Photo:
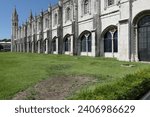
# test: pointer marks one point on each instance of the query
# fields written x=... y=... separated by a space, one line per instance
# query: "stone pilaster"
x=27 y=47
x=136 y=45
x=24 y=50
x=71 y=45
x=93 y=44
x=46 y=52
x=39 y=48
x=33 y=47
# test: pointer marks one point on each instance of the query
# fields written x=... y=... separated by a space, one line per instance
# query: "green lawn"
x=18 y=71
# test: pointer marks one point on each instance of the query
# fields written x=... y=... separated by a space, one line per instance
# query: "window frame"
x=67 y=44
x=55 y=19
x=83 y=44
x=54 y=45
x=107 y=5
x=86 y=43
x=68 y=14
x=46 y=23
x=39 y=26
x=110 y=3
x=111 y=42
x=88 y=8
x=107 y=42
x=115 y=37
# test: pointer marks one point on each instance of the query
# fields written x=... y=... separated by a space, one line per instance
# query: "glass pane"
x=108 y=42
x=116 y=41
x=83 y=44
x=54 y=45
x=66 y=45
x=144 y=38
x=89 y=44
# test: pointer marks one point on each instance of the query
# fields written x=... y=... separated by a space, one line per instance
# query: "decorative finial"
x=31 y=16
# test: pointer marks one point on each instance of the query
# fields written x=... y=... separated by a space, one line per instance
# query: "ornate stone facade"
x=109 y=28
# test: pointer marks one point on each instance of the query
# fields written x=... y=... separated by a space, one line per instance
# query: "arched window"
x=86 y=43
x=39 y=26
x=108 y=42
x=46 y=23
x=116 y=41
x=86 y=6
x=30 y=46
x=67 y=45
x=83 y=44
x=111 y=40
x=145 y=21
x=41 y=46
x=36 y=46
x=44 y=45
x=55 y=19
x=54 y=45
x=89 y=44
x=144 y=38
x=110 y=2
x=68 y=14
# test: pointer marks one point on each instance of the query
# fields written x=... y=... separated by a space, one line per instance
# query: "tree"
x=5 y=40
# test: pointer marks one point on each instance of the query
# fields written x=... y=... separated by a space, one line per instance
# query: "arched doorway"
x=144 y=38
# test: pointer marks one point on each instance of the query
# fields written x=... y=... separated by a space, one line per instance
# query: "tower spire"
x=31 y=16
x=15 y=21
x=15 y=15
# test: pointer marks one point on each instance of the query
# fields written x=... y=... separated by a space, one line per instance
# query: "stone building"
x=5 y=46
x=109 y=28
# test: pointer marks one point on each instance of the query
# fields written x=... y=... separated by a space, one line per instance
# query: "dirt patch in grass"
x=57 y=88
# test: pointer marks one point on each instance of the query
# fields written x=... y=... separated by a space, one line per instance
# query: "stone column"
x=86 y=36
x=112 y=45
x=20 y=47
x=112 y=35
x=136 y=44
x=71 y=45
x=39 y=48
x=33 y=47
x=46 y=46
x=56 y=45
x=24 y=47
x=27 y=47
x=93 y=45
x=17 y=47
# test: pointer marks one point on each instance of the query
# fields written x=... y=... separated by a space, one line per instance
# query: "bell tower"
x=14 y=29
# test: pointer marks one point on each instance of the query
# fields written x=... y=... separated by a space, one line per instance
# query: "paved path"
x=147 y=96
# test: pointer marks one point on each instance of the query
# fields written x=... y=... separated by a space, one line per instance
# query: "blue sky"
x=23 y=8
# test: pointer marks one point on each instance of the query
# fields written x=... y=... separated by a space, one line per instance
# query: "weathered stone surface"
x=74 y=17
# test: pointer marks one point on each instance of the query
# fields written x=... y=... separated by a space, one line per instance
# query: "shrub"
x=129 y=87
